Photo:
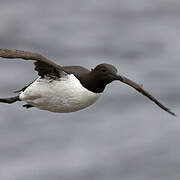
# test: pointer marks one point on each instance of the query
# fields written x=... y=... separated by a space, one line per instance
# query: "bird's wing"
x=145 y=93
x=42 y=65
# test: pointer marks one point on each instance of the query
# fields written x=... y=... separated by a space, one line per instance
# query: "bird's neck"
x=92 y=84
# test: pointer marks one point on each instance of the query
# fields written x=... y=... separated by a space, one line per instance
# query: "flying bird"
x=64 y=89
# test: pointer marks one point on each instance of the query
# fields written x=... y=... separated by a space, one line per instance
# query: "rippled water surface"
x=123 y=136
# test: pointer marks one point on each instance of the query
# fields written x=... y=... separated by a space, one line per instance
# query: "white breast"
x=63 y=95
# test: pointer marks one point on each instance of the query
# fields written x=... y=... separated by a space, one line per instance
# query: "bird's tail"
x=9 y=100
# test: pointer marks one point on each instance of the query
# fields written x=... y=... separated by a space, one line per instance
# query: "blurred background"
x=124 y=135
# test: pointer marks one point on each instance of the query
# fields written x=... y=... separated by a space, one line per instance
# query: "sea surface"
x=123 y=136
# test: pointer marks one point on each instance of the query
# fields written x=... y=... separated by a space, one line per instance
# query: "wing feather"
x=145 y=93
x=42 y=65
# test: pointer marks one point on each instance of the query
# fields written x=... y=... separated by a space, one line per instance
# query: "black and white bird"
x=66 y=89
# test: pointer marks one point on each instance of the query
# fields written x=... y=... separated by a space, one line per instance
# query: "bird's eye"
x=103 y=70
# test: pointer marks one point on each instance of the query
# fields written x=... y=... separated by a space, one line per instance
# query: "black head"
x=102 y=75
x=105 y=73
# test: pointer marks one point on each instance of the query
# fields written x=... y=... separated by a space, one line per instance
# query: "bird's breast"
x=63 y=95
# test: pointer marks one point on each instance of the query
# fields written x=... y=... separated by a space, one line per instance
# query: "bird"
x=64 y=89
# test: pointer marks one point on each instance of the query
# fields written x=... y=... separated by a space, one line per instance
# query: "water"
x=123 y=136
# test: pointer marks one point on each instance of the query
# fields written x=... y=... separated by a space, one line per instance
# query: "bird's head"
x=105 y=74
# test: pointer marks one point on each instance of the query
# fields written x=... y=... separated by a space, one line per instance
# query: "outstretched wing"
x=145 y=93
x=42 y=65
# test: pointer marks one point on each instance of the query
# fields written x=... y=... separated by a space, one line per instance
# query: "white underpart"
x=63 y=95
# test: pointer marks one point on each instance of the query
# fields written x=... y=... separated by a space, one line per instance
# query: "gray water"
x=123 y=136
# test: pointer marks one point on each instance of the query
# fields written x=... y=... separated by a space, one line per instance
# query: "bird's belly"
x=63 y=95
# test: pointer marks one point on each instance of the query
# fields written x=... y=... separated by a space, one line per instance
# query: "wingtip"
x=175 y=115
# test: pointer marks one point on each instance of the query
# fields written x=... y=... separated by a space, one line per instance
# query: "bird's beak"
x=140 y=89
x=118 y=77
x=128 y=82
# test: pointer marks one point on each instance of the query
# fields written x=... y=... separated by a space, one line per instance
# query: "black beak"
x=142 y=91
x=118 y=77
